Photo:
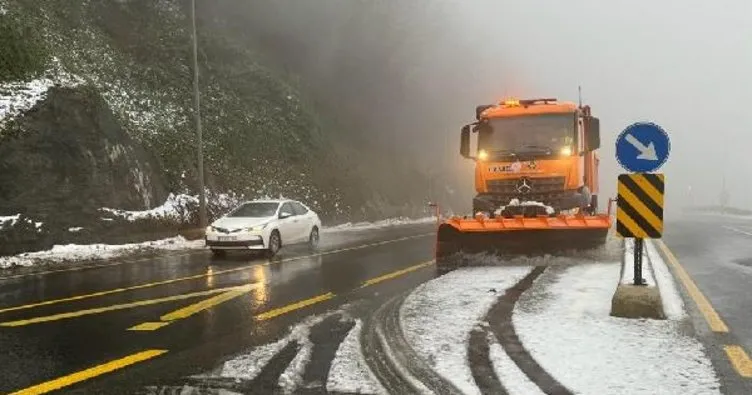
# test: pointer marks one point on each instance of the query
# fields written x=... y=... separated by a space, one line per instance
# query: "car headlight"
x=256 y=228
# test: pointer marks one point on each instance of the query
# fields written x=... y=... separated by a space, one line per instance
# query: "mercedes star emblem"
x=524 y=185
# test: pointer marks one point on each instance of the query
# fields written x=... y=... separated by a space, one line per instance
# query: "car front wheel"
x=313 y=239
x=275 y=242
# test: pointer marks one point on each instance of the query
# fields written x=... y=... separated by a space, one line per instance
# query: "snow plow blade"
x=457 y=237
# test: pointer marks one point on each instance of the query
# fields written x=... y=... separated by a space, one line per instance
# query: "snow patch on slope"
x=564 y=322
x=349 y=372
x=77 y=252
x=439 y=315
x=173 y=208
x=20 y=96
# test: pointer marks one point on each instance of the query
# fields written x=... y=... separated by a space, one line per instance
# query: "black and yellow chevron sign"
x=639 y=208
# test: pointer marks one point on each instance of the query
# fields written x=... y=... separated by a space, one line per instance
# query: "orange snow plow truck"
x=536 y=177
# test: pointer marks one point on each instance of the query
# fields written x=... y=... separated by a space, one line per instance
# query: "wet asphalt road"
x=186 y=329
x=717 y=253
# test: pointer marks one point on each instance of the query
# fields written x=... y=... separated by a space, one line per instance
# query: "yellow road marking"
x=103 y=293
x=188 y=311
x=148 y=326
x=92 y=372
x=205 y=304
x=99 y=310
x=321 y=298
x=187 y=278
x=80 y=268
x=711 y=316
x=739 y=360
x=294 y=306
x=398 y=273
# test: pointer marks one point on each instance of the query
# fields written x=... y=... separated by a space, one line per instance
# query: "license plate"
x=227 y=238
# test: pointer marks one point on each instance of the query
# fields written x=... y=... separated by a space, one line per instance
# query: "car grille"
x=538 y=186
x=228 y=231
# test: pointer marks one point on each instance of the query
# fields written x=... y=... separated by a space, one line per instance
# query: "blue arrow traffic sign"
x=642 y=147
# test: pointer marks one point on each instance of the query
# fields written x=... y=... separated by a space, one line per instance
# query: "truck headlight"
x=482 y=154
x=566 y=151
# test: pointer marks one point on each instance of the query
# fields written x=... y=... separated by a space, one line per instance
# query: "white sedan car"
x=264 y=225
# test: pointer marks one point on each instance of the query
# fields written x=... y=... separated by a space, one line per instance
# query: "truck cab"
x=540 y=151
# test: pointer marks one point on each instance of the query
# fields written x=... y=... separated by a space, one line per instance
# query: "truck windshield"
x=530 y=134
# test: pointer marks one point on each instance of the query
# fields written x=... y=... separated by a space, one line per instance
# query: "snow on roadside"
x=379 y=224
x=349 y=372
x=673 y=305
x=627 y=276
x=515 y=381
x=438 y=316
x=247 y=366
x=564 y=322
x=76 y=252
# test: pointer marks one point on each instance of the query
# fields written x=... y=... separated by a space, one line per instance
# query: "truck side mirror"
x=465 y=141
x=592 y=133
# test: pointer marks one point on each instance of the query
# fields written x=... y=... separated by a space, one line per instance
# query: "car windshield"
x=255 y=210
x=527 y=134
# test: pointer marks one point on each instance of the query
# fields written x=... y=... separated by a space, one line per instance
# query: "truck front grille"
x=537 y=185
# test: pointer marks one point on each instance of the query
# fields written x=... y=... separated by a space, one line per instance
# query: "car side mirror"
x=592 y=134
x=284 y=215
x=465 y=141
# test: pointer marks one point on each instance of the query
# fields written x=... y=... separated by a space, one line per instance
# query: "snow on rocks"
x=349 y=372
x=20 y=96
x=563 y=321
x=173 y=208
x=76 y=252
x=9 y=221
x=439 y=315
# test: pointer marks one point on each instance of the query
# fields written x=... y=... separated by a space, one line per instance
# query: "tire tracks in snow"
x=391 y=358
x=499 y=318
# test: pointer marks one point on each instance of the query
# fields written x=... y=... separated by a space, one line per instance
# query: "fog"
x=406 y=75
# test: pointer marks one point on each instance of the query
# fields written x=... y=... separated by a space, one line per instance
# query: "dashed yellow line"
x=188 y=311
x=739 y=360
x=395 y=274
x=99 y=310
x=711 y=316
x=294 y=306
x=65 y=381
x=186 y=278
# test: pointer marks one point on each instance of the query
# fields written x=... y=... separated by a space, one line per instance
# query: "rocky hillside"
x=96 y=112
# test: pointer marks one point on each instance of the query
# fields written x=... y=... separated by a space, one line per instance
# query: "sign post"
x=642 y=148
